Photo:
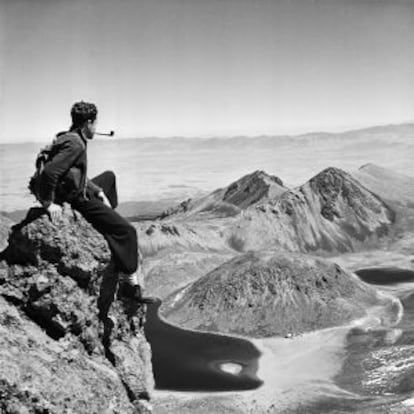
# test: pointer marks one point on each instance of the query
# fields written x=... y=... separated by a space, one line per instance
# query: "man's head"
x=84 y=118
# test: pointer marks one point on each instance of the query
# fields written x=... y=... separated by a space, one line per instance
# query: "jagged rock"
x=336 y=189
x=50 y=277
x=271 y=293
x=40 y=375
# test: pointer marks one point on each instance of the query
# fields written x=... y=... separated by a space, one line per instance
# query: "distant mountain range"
x=388 y=133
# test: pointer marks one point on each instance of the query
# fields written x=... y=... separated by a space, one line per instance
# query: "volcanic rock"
x=58 y=357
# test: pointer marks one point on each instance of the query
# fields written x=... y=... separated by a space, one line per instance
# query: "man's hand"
x=55 y=212
x=104 y=199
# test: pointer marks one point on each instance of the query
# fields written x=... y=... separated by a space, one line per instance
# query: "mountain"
x=395 y=188
x=231 y=200
x=331 y=212
x=270 y=293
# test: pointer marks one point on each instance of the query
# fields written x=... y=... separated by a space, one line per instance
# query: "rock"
x=5 y=224
x=39 y=375
x=50 y=277
x=270 y=293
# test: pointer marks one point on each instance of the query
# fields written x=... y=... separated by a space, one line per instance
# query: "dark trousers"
x=119 y=233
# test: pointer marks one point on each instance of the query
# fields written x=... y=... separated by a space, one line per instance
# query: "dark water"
x=377 y=373
x=385 y=275
x=189 y=361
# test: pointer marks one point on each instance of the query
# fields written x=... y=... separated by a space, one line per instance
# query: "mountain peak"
x=252 y=188
x=333 y=184
x=229 y=201
x=270 y=293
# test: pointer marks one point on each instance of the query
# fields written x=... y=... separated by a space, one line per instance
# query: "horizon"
x=205 y=68
x=228 y=137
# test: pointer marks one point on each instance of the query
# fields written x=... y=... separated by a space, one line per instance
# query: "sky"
x=205 y=67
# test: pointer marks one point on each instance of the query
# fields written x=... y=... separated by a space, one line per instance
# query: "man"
x=64 y=178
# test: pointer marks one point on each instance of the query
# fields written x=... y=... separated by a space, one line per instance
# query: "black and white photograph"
x=206 y=206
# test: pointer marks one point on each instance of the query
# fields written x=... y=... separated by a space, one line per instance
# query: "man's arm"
x=66 y=156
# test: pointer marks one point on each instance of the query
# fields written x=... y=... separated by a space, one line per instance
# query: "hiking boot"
x=134 y=292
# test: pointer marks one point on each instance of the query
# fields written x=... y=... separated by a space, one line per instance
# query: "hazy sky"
x=205 y=67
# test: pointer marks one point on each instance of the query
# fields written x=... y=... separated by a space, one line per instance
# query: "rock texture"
x=331 y=212
x=57 y=357
x=268 y=293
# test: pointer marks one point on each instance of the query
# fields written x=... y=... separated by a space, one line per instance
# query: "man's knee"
x=109 y=175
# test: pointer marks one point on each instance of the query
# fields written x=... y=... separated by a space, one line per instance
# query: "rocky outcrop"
x=331 y=212
x=269 y=293
x=59 y=356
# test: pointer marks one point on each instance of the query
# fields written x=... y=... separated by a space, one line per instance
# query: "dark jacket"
x=64 y=176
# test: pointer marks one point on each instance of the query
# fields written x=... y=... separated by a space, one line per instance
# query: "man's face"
x=90 y=128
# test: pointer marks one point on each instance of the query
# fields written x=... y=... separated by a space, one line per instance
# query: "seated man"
x=64 y=179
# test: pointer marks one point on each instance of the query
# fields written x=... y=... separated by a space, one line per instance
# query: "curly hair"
x=82 y=112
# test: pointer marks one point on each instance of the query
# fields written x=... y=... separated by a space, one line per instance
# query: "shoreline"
x=295 y=371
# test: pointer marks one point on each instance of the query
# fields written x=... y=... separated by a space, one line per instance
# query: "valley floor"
x=300 y=373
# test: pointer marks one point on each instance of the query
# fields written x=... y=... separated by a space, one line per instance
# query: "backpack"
x=41 y=159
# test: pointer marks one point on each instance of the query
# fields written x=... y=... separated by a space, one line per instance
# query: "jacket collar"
x=78 y=132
